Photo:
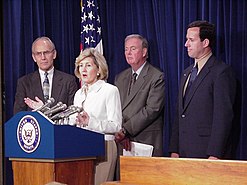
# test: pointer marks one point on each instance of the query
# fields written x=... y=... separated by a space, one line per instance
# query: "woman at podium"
x=101 y=107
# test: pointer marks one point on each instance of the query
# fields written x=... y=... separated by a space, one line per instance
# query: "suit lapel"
x=56 y=85
x=36 y=85
x=196 y=84
x=125 y=86
x=137 y=86
x=182 y=85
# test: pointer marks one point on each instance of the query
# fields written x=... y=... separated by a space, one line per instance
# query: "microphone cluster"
x=59 y=112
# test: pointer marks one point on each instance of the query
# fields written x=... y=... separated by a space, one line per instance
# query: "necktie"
x=46 y=87
x=193 y=75
x=132 y=81
x=134 y=77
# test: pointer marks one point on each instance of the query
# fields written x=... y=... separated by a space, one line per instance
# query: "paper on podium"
x=139 y=149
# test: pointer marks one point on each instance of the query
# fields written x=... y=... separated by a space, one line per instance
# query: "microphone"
x=67 y=113
x=59 y=104
x=58 y=109
x=46 y=105
x=61 y=114
x=76 y=109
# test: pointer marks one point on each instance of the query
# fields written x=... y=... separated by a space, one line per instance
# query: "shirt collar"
x=50 y=72
x=94 y=87
x=139 y=70
x=202 y=61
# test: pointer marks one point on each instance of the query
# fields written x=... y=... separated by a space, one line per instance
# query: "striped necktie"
x=46 y=87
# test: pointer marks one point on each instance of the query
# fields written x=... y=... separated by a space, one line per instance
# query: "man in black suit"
x=204 y=117
x=29 y=92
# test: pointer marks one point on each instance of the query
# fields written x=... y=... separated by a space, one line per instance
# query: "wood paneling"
x=171 y=171
x=40 y=173
x=32 y=173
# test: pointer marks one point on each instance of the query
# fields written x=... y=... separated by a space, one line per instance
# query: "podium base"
x=79 y=172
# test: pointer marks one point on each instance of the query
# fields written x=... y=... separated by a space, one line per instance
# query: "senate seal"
x=28 y=134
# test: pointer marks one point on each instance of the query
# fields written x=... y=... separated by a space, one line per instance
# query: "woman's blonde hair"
x=99 y=61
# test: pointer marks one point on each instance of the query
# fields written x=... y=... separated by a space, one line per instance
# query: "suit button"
x=183 y=116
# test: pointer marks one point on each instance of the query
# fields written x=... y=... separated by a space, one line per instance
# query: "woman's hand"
x=82 y=119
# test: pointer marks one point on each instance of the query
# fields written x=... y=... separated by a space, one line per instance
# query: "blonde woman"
x=102 y=107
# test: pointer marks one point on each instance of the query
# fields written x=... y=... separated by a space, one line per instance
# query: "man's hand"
x=33 y=104
x=121 y=138
x=126 y=144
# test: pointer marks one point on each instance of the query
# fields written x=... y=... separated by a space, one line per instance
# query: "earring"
x=97 y=74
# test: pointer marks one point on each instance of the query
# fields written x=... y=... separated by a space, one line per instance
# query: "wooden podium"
x=42 y=152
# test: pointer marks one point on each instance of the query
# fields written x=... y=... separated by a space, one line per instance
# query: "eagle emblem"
x=28 y=134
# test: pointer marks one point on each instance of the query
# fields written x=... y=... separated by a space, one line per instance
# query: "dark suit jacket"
x=143 y=109
x=203 y=124
x=64 y=87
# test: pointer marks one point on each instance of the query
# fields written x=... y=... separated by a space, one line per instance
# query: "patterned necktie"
x=46 y=87
x=132 y=82
x=193 y=75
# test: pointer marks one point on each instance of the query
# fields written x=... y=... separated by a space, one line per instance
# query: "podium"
x=42 y=152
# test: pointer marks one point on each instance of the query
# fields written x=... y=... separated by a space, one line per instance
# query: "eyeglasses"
x=45 y=53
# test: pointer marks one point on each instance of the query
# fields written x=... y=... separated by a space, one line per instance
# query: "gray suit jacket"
x=64 y=87
x=143 y=109
x=203 y=123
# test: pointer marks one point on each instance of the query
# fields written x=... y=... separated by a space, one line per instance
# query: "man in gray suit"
x=142 y=97
x=29 y=92
x=204 y=118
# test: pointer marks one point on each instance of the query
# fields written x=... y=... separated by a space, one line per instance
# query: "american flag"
x=90 y=25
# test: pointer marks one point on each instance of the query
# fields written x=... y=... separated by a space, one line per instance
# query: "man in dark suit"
x=30 y=93
x=142 y=98
x=204 y=117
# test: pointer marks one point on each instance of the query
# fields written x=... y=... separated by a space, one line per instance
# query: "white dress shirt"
x=103 y=106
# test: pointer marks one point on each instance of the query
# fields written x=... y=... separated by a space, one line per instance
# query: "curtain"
x=24 y=21
x=162 y=22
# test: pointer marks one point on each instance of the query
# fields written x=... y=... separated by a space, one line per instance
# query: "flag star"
x=89 y=3
x=85 y=28
x=98 y=18
x=91 y=27
x=87 y=40
x=99 y=30
x=92 y=40
x=90 y=15
x=84 y=17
